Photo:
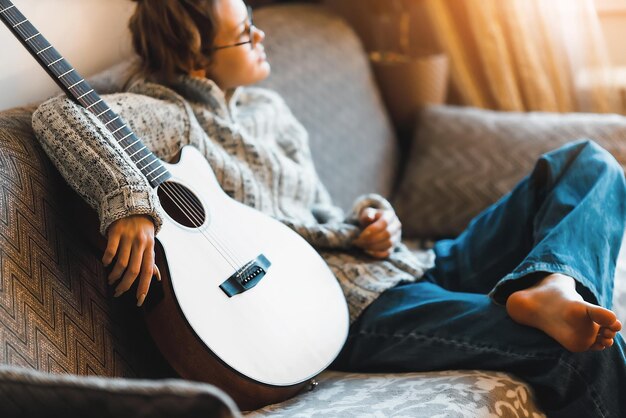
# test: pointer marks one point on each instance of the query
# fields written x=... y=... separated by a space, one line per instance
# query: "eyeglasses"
x=250 y=40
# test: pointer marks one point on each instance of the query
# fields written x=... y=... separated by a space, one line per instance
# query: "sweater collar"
x=205 y=91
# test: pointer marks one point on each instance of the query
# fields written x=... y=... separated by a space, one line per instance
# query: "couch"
x=67 y=348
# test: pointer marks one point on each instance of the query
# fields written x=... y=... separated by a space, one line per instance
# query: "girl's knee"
x=586 y=156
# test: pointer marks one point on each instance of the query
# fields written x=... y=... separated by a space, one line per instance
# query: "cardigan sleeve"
x=95 y=165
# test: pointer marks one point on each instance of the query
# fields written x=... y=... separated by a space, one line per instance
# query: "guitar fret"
x=45 y=49
x=154 y=160
x=131 y=145
x=140 y=149
x=17 y=24
x=112 y=120
x=83 y=95
x=75 y=84
x=103 y=112
x=143 y=158
x=160 y=166
x=157 y=177
x=125 y=137
x=66 y=73
x=121 y=127
x=93 y=104
x=31 y=37
x=52 y=63
x=10 y=7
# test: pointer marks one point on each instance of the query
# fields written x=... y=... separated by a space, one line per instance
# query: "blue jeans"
x=567 y=217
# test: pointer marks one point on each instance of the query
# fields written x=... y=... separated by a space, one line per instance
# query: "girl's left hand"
x=382 y=231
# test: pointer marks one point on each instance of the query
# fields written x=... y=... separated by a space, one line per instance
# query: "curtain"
x=524 y=55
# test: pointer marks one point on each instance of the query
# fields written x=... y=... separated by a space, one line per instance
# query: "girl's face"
x=235 y=65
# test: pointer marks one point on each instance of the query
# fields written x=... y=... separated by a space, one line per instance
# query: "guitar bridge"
x=246 y=277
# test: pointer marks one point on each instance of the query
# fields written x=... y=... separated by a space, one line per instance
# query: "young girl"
x=521 y=290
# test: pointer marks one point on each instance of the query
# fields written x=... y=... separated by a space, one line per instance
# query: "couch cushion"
x=320 y=68
x=442 y=394
x=464 y=159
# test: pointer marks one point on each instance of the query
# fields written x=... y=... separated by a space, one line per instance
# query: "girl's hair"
x=172 y=37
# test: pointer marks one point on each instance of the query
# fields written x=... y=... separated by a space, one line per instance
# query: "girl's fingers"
x=132 y=270
x=369 y=215
x=123 y=255
x=157 y=272
x=111 y=249
x=145 y=277
x=369 y=234
x=383 y=245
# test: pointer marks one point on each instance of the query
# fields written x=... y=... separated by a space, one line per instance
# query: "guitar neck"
x=79 y=90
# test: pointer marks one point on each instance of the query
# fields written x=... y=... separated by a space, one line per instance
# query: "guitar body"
x=261 y=345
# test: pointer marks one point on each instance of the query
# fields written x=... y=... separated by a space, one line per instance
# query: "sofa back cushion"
x=320 y=68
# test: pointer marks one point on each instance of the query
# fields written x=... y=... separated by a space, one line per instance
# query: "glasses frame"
x=251 y=29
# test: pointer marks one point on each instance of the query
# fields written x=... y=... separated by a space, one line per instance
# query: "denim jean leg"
x=566 y=217
x=424 y=327
x=579 y=225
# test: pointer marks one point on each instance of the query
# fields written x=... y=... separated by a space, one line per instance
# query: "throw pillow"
x=464 y=159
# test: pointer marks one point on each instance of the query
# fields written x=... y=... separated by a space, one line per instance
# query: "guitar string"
x=14 y=23
x=197 y=211
x=187 y=196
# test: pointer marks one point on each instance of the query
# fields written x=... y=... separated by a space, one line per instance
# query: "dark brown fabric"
x=56 y=310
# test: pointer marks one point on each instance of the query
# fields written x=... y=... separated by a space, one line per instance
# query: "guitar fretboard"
x=79 y=90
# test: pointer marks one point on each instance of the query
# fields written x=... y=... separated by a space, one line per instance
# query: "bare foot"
x=554 y=306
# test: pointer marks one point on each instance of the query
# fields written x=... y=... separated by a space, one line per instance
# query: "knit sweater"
x=258 y=151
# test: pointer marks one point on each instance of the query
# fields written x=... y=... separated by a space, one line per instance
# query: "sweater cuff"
x=128 y=201
x=371 y=200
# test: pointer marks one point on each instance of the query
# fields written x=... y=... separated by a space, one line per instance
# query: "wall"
x=73 y=27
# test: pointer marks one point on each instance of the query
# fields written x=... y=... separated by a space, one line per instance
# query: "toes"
x=601 y=316
x=603 y=341
x=616 y=326
x=607 y=333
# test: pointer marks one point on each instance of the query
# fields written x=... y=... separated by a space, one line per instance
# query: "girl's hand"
x=382 y=231
x=131 y=241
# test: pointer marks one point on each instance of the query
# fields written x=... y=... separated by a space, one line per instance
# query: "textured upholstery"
x=332 y=92
x=462 y=394
x=464 y=159
x=56 y=312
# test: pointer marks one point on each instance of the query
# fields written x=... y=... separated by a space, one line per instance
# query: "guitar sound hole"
x=181 y=204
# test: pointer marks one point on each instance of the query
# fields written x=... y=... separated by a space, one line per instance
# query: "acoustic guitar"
x=245 y=303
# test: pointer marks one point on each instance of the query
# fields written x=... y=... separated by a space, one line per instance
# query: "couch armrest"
x=29 y=393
